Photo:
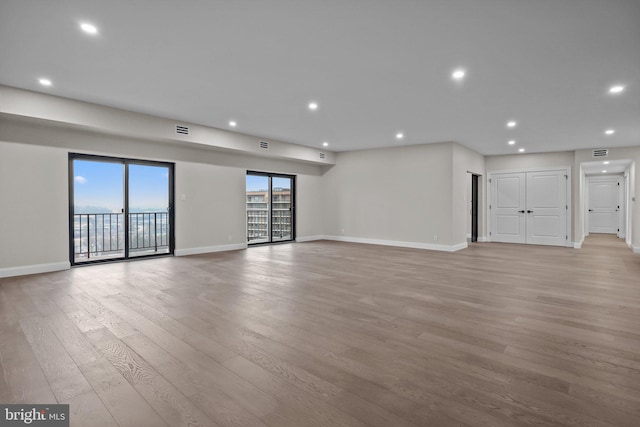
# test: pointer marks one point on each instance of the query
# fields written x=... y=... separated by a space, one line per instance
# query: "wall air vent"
x=322 y=156
x=600 y=152
x=264 y=145
x=182 y=130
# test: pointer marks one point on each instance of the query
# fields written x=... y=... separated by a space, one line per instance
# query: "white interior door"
x=546 y=210
x=603 y=205
x=508 y=200
x=529 y=207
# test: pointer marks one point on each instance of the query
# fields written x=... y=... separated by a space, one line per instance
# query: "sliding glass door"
x=119 y=208
x=98 y=210
x=149 y=231
x=270 y=207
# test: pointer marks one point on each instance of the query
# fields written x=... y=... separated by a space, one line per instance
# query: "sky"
x=261 y=183
x=101 y=184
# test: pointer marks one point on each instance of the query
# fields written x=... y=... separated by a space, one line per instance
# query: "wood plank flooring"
x=333 y=334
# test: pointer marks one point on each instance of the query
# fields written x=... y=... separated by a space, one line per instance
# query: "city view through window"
x=103 y=228
x=269 y=208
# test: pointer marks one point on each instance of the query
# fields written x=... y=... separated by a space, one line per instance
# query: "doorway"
x=270 y=200
x=474 y=208
x=119 y=208
x=604 y=210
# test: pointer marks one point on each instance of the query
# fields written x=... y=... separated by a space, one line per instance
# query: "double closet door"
x=529 y=207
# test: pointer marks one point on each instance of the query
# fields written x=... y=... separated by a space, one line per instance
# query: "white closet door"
x=603 y=205
x=508 y=207
x=546 y=208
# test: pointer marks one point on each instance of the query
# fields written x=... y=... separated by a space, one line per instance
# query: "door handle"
x=529 y=211
x=521 y=211
x=590 y=210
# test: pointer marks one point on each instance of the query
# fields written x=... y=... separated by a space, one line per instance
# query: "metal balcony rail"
x=99 y=235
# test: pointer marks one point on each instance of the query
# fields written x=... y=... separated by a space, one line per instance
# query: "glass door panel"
x=258 y=202
x=98 y=210
x=281 y=210
x=120 y=208
x=148 y=207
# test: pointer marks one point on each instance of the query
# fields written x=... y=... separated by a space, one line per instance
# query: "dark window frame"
x=125 y=161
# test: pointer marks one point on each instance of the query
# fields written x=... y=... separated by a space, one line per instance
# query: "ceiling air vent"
x=182 y=130
x=600 y=152
x=264 y=145
x=322 y=156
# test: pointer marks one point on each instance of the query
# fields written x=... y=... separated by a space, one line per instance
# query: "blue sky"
x=258 y=182
x=101 y=184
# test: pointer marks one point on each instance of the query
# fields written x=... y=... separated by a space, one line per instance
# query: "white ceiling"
x=374 y=67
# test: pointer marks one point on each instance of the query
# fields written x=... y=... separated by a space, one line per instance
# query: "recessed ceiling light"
x=458 y=74
x=399 y=135
x=609 y=131
x=232 y=123
x=313 y=106
x=325 y=144
x=604 y=171
x=512 y=142
x=45 y=82
x=616 y=89
x=511 y=124
x=89 y=28
x=606 y=162
x=521 y=150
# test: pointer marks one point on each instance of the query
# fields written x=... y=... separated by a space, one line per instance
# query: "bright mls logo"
x=34 y=415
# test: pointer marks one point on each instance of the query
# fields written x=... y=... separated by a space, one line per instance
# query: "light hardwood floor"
x=333 y=334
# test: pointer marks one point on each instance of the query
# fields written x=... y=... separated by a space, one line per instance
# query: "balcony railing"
x=101 y=235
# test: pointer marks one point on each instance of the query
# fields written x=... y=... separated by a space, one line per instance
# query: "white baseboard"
x=578 y=245
x=310 y=238
x=413 y=245
x=468 y=236
x=635 y=249
x=482 y=240
x=209 y=249
x=34 y=269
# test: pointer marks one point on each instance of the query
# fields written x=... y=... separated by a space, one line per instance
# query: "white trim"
x=209 y=249
x=578 y=245
x=635 y=249
x=34 y=269
x=468 y=236
x=413 y=245
x=310 y=238
x=483 y=239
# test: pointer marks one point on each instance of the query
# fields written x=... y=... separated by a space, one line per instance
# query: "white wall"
x=529 y=161
x=34 y=192
x=401 y=194
x=34 y=210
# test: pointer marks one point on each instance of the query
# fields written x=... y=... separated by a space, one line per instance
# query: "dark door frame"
x=125 y=162
x=271 y=175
